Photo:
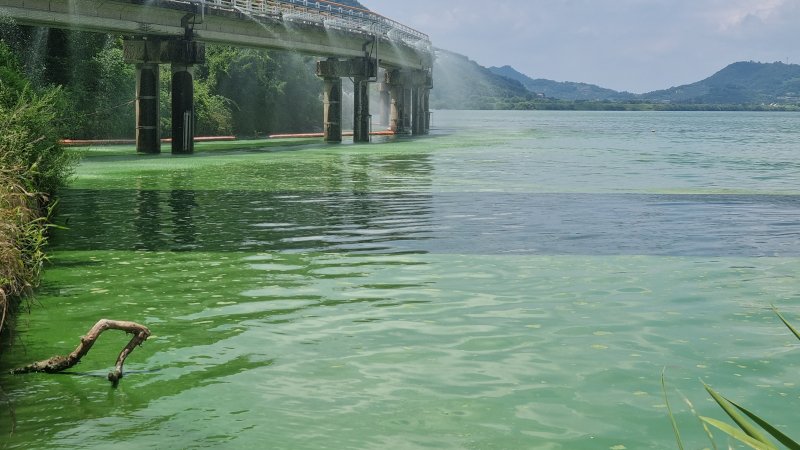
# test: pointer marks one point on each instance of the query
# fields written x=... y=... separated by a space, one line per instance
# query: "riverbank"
x=33 y=166
x=10 y=230
x=21 y=239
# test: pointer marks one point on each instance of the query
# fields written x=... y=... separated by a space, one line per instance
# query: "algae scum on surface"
x=515 y=280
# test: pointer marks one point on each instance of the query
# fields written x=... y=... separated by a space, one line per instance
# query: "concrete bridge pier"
x=183 y=119
x=423 y=83
x=426 y=102
x=148 y=130
x=361 y=116
x=332 y=70
x=147 y=54
x=409 y=109
x=397 y=108
x=332 y=110
x=426 y=108
x=417 y=123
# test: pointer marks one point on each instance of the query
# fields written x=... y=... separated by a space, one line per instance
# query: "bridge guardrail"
x=327 y=13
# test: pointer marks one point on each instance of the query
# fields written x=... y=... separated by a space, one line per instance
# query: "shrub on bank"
x=21 y=240
x=29 y=139
x=32 y=168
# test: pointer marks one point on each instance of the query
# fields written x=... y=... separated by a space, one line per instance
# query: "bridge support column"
x=422 y=113
x=408 y=108
x=148 y=130
x=403 y=116
x=398 y=106
x=332 y=110
x=426 y=101
x=147 y=54
x=332 y=71
x=417 y=122
x=397 y=109
x=361 y=116
x=182 y=110
x=426 y=110
x=410 y=100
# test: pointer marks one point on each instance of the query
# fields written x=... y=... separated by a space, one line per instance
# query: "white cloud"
x=730 y=15
x=636 y=45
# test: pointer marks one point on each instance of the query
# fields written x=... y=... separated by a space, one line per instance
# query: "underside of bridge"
x=175 y=32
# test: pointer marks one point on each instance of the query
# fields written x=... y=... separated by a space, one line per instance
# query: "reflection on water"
x=477 y=223
x=245 y=221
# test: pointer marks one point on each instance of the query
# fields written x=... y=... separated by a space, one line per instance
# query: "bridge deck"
x=311 y=27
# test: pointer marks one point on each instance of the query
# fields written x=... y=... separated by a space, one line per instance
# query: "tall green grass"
x=32 y=169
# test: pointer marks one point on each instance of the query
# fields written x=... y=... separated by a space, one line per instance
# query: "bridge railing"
x=327 y=13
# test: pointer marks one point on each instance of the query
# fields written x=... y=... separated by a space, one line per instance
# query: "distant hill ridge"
x=565 y=90
x=740 y=82
x=746 y=82
x=460 y=83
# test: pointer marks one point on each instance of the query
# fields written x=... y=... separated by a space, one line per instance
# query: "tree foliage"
x=247 y=92
x=268 y=91
x=29 y=129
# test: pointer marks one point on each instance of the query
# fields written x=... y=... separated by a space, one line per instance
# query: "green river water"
x=515 y=280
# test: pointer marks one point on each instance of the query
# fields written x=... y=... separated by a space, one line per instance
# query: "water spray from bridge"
x=352 y=43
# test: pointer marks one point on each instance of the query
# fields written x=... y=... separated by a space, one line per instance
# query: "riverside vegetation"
x=32 y=168
x=237 y=91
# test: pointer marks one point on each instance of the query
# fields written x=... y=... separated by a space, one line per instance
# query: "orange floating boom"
x=319 y=135
x=86 y=142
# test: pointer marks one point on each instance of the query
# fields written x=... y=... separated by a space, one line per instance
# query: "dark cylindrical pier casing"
x=148 y=131
x=182 y=110
x=332 y=109
x=408 y=105
x=361 y=117
x=416 y=117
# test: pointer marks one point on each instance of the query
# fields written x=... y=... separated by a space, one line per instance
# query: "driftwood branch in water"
x=60 y=363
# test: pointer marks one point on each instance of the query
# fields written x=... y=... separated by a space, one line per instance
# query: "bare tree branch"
x=60 y=363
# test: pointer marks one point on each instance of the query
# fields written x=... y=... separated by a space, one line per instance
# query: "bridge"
x=351 y=43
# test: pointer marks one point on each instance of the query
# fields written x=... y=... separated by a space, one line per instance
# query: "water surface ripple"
x=515 y=280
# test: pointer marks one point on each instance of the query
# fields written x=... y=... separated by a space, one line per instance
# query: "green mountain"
x=741 y=82
x=565 y=90
x=460 y=83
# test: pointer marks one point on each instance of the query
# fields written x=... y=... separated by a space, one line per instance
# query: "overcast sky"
x=633 y=45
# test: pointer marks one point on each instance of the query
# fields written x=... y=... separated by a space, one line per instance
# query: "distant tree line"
x=546 y=104
x=246 y=92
